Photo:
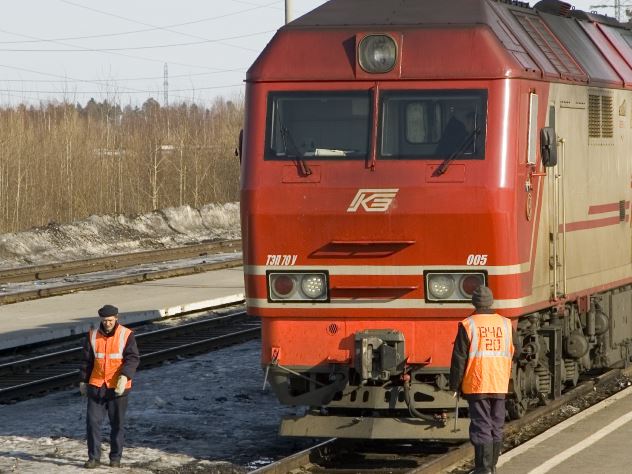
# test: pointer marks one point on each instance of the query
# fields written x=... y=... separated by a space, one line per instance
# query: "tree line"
x=63 y=162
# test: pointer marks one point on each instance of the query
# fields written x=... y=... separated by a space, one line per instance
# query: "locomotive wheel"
x=516 y=409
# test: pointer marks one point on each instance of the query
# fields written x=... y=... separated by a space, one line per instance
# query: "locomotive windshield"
x=433 y=124
x=330 y=125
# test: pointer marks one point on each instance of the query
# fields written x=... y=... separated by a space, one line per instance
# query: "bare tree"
x=60 y=162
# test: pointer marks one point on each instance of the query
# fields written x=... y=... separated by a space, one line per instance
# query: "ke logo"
x=373 y=200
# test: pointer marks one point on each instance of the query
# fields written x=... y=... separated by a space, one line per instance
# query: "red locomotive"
x=396 y=155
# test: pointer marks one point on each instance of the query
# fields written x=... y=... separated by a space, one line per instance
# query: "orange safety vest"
x=488 y=366
x=108 y=356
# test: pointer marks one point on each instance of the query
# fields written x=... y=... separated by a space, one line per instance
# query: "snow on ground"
x=99 y=236
x=203 y=414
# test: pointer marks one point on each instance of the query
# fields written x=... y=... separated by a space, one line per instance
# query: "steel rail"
x=34 y=375
x=119 y=280
x=76 y=267
x=322 y=457
x=465 y=451
x=310 y=456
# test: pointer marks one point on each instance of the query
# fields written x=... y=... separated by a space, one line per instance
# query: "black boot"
x=497 y=447
x=483 y=458
x=92 y=463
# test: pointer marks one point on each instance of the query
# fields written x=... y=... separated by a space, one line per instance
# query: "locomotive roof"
x=392 y=12
x=551 y=41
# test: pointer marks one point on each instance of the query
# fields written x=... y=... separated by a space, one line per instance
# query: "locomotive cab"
x=389 y=168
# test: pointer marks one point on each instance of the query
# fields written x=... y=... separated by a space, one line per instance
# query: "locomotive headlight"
x=377 y=53
x=441 y=286
x=298 y=286
x=313 y=286
x=454 y=287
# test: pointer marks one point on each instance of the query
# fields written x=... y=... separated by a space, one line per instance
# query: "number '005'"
x=476 y=259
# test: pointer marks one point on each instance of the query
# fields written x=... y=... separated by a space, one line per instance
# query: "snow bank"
x=99 y=236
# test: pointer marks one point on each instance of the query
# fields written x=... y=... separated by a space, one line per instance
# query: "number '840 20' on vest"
x=490 y=331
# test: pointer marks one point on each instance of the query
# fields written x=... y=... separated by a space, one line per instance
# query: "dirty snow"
x=99 y=236
x=204 y=414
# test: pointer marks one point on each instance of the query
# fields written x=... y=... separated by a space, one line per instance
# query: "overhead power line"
x=120 y=79
x=68 y=87
x=157 y=91
x=114 y=15
x=59 y=76
x=115 y=53
x=143 y=30
x=132 y=48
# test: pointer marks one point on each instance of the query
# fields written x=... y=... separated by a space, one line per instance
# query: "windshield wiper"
x=304 y=170
x=467 y=142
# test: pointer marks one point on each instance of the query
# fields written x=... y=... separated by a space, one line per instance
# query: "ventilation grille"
x=594 y=116
x=600 y=116
x=606 y=117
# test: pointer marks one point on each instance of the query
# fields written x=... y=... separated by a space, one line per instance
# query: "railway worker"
x=480 y=370
x=110 y=357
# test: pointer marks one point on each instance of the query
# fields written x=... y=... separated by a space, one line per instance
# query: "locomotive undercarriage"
x=367 y=409
x=573 y=338
x=382 y=396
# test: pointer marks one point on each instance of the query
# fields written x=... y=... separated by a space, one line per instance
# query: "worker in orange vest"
x=110 y=358
x=480 y=370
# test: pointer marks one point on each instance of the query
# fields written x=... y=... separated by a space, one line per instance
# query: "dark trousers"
x=100 y=401
x=487 y=417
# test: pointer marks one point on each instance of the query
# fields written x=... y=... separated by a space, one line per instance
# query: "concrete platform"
x=596 y=440
x=61 y=316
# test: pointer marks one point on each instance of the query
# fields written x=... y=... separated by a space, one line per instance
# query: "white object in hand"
x=120 y=385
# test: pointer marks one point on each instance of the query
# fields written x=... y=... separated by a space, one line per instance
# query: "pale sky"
x=77 y=49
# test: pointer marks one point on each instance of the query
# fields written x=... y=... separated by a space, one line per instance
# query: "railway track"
x=62 y=271
x=31 y=376
x=338 y=455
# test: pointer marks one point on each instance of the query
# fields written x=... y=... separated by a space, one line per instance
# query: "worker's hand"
x=120 y=385
x=83 y=389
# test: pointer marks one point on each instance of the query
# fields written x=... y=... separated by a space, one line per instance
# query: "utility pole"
x=617 y=5
x=165 y=85
x=288 y=11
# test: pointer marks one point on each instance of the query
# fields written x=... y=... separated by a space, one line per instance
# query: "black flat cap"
x=108 y=310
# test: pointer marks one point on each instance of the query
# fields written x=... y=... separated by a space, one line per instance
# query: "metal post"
x=456 y=413
x=165 y=85
x=288 y=11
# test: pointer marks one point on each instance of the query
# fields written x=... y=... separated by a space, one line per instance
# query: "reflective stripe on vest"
x=93 y=344
x=108 y=356
x=115 y=355
x=489 y=361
